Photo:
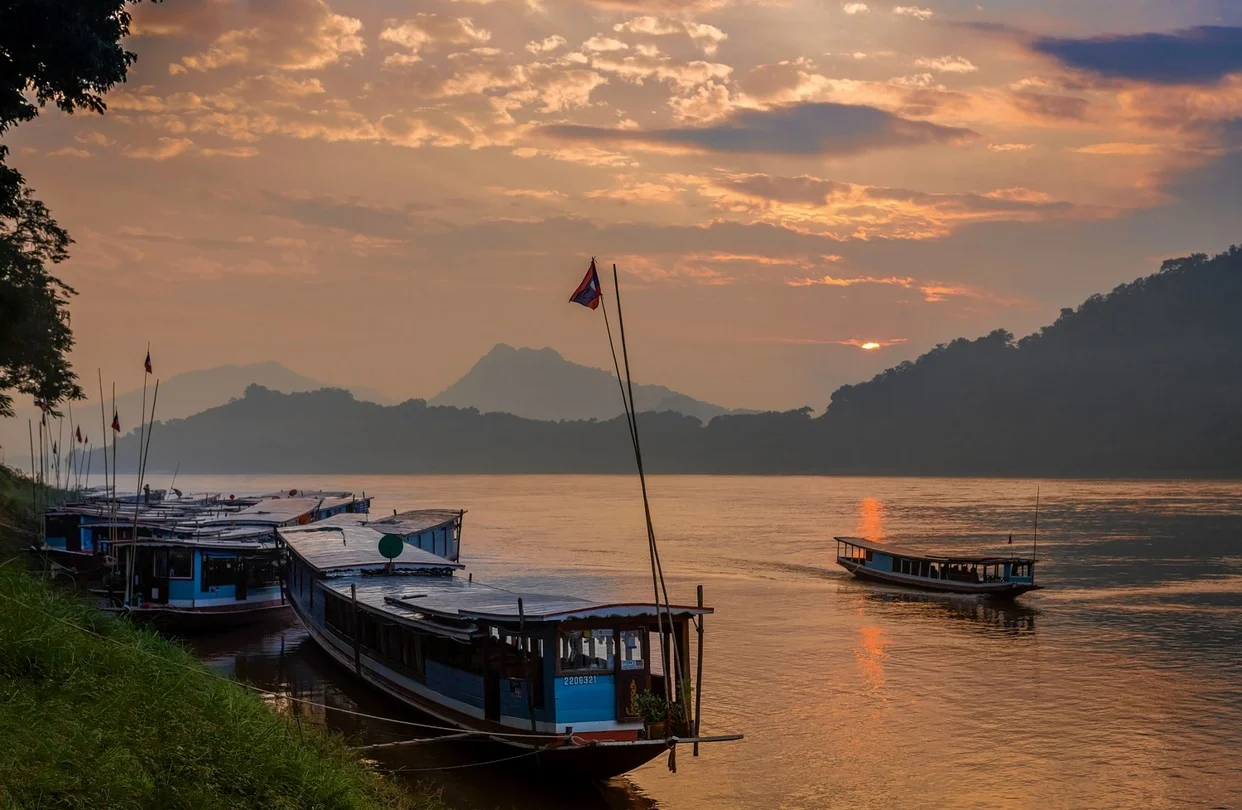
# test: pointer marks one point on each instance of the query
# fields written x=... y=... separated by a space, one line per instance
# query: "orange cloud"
x=293 y=35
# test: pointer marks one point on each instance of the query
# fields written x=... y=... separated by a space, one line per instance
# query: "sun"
x=870 y=346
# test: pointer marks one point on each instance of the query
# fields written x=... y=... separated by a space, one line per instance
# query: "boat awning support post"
x=353 y=598
x=698 y=678
x=526 y=648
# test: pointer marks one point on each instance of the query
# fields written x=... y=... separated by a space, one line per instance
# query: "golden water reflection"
x=871 y=519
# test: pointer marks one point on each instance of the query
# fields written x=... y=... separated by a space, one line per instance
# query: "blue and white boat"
x=559 y=678
x=187 y=562
x=1000 y=577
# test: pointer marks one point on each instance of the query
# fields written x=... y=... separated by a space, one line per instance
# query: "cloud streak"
x=824 y=129
x=1201 y=55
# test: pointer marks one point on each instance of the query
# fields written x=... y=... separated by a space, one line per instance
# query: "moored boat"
x=999 y=577
x=562 y=679
x=217 y=567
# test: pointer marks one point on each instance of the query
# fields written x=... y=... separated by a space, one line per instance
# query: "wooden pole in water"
x=526 y=648
x=353 y=598
x=1035 y=537
x=698 y=678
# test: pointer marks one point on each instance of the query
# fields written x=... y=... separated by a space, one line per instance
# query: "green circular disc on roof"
x=390 y=545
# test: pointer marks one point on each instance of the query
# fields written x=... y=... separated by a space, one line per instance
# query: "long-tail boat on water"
x=999 y=577
x=564 y=679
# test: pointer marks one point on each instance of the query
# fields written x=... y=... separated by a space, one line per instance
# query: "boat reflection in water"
x=986 y=614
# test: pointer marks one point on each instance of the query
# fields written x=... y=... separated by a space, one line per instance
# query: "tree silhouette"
x=66 y=53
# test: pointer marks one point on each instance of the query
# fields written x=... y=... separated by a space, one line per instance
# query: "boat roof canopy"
x=894 y=551
x=453 y=598
x=277 y=511
x=336 y=545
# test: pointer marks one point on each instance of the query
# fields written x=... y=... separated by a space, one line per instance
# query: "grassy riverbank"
x=17 y=516
x=97 y=713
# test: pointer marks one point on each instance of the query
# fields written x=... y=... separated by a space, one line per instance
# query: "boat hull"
x=995 y=590
x=591 y=758
x=87 y=563
x=184 y=620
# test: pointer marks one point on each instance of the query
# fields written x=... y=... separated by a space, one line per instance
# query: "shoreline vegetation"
x=96 y=712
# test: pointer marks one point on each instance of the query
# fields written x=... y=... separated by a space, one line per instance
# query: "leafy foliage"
x=64 y=52
x=35 y=337
x=67 y=53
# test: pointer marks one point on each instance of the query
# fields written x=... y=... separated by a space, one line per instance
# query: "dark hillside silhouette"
x=1147 y=378
x=1144 y=381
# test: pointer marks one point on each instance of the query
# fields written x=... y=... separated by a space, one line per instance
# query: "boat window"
x=159 y=562
x=262 y=572
x=587 y=650
x=218 y=571
x=632 y=649
x=180 y=563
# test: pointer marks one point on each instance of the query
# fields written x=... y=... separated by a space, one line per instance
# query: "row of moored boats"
x=578 y=684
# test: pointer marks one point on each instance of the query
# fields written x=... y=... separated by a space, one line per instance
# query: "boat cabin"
x=227 y=573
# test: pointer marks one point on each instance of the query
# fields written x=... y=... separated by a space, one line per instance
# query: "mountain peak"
x=541 y=384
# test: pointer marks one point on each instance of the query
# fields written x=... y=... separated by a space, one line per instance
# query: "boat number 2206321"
x=579 y=680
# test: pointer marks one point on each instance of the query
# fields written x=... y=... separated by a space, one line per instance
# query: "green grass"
x=131 y=720
x=18 y=519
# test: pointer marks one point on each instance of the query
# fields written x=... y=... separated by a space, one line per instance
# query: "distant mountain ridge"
x=1142 y=382
x=541 y=384
x=192 y=392
x=181 y=395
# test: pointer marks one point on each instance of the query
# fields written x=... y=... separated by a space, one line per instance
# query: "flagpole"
x=59 y=444
x=73 y=445
x=632 y=425
x=146 y=453
x=34 y=487
x=657 y=572
x=116 y=463
x=133 y=540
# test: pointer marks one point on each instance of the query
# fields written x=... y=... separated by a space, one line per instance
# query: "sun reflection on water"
x=871 y=519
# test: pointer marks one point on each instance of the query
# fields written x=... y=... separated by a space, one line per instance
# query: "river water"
x=1119 y=686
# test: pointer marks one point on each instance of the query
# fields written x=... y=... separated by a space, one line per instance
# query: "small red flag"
x=147 y=363
x=588 y=292
x=116 y=421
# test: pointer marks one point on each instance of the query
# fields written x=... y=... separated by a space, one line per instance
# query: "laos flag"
x=588 y=292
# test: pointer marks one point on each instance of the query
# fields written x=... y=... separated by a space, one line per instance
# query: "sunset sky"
x=374 y=193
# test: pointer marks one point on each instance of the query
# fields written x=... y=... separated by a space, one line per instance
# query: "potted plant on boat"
x=657 y=713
